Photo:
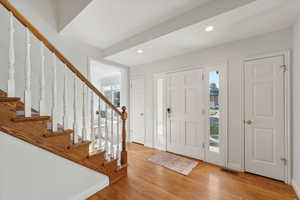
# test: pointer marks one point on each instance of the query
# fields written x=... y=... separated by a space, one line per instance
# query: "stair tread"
x=74 y=146
x=92 y=154
x=21 y=113
x=9 y=99
x=33 y=118
x=107 y=162
x=58 y=133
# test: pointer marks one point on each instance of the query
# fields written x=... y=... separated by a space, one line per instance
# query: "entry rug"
x=176 y=163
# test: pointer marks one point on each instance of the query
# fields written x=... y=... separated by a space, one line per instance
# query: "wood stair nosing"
x=33 y=118
x=9 y=99
x=58 y=133
x=75 y=146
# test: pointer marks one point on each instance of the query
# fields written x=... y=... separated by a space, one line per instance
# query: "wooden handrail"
x=43 y=39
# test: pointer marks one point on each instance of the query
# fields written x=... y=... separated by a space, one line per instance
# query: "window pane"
x=214 y=111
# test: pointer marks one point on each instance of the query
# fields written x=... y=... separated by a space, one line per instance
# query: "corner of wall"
x=89 y=192
x=296 y=188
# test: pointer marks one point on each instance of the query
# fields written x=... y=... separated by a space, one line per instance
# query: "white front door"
x=137 y=111
x=184 y=113
x=264 y=117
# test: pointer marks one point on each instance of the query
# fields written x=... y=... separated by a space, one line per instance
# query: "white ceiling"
x=259 y=17
x=105 y=22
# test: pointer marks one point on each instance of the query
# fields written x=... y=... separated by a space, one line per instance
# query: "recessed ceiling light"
x=140 y=51
x=209 y=28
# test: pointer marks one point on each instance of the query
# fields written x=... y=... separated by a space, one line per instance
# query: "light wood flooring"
x=148 y=181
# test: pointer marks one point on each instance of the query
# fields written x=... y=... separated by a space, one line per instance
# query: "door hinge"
x=284 y=160
x=284 y=68
x=203 y=145
x=203 y=111
x=202 y=76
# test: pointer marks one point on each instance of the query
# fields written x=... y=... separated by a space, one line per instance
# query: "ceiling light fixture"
x=209 y=28
x=140 y=51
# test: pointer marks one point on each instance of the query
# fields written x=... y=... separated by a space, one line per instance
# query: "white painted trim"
x=287 y=95
x=89 y=192
x=234 y=166
x=296 y=188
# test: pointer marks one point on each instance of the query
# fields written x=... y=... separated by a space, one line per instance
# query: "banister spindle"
x=66 y=113
x=75 y=121
x=92 y=122
x=27 y=98
x=112 y=134
x=124 y=152
x=54 y=96
x=42 y=82
x=106 y=131
x=99 y=124
x=118 y=137
x=84 y=132
x=11 y=74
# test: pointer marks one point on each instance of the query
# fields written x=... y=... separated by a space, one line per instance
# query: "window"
x=214 y=112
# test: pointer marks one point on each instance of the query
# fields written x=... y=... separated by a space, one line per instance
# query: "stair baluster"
x=66 y=113
x=106 y=132
x=118 y=139
x=27 y=98
x=42 y=82
x=100 y=135
x=84 y=132
x=93 y=138
x=112 y=134
x=75 y=121
x=54 y=96
x=11 y=74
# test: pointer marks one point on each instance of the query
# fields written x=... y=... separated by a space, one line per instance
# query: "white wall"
x=28 y=172
x=231 y=53
x=296 y=108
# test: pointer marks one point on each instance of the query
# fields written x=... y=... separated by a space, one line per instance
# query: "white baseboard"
x=235 y=166
x=296 y=188
x=89 y=192
x=148 y=145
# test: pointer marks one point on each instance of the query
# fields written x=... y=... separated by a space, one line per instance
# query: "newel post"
x=124 y=152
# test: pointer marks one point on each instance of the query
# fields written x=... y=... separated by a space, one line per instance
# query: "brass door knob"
x=248 y=122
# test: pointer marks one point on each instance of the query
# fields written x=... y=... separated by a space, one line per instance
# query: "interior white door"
x=137 y=111
x=184 y=113
x=264 y=117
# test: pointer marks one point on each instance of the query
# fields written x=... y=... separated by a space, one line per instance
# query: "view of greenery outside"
x=214 y=128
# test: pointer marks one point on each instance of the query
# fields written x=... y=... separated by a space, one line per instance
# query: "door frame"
x=287 y=110
x=222 y=65
x=131 y=106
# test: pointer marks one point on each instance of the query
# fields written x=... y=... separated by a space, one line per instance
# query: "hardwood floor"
x=206 y=182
